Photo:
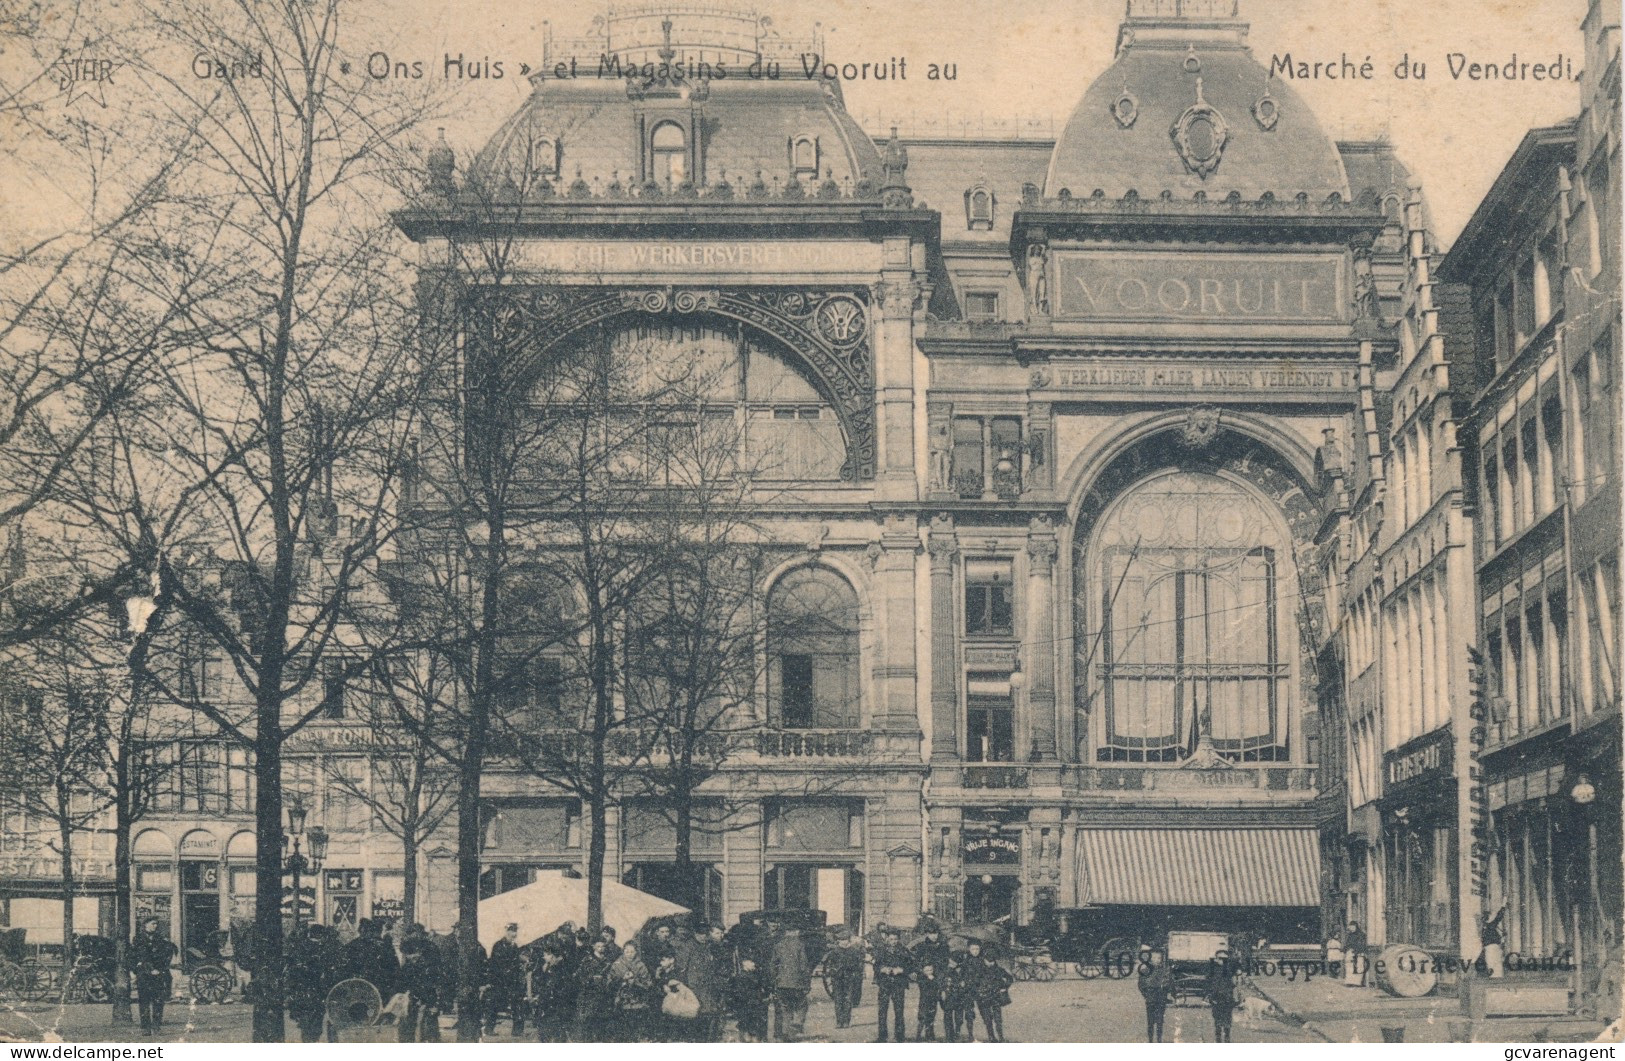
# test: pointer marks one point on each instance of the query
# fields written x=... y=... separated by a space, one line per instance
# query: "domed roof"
x=1186 y=108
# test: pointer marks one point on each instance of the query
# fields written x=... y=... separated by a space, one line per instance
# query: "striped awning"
x=1199 y=867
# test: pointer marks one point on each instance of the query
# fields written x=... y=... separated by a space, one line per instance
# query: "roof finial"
x=666 y=51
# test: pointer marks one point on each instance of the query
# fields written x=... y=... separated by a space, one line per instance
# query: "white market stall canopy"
x=553 y=898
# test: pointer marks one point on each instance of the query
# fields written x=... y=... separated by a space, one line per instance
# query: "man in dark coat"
x=308 y=981
x=421 y=981
x=505 y=973
x=1155 y=985
x=791 y=975
x=553 y=987
x=371 y=957
x=695 y=964
x=1221 y=994
x=931 y=949
x=150 y=956
x=843 y=963
x=893 y=963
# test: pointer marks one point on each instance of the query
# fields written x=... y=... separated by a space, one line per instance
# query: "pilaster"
x=943 y=545
x=1042 y=549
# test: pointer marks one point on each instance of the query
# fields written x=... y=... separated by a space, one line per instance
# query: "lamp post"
x=298 y=863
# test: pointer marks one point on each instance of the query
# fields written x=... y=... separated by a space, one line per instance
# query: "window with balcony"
x=988 y=585
x=987 y=456
x=990 y=719
x=812 y=641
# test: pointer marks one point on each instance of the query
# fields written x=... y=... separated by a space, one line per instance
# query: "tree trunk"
x=122 y=828
x=269 y=1024
x=409 y=874
x=682 y=799
x=65 y=831
x=469 y=832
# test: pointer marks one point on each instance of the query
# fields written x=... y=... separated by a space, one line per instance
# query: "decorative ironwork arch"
x=827 y=329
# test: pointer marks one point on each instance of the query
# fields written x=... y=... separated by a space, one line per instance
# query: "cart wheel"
x=1118 y=957
x=1044 y=971
x=210 y=983
x=35 y=983
x=11 y=977
x=829 y=984
x=1087 y=969
x=96 y=987
x=1022 y=971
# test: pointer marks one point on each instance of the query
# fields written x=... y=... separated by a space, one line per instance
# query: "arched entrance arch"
x=825 y=330
x=1189 y=603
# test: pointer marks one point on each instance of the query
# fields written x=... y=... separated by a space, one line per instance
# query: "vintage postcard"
x=844 y=522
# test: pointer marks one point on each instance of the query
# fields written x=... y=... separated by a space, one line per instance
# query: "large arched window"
x=1194 y=589
x=812 y=646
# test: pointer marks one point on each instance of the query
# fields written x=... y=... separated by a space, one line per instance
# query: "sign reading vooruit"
x=1209 y=287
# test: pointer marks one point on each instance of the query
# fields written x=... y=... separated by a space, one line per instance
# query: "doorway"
x=990 y=897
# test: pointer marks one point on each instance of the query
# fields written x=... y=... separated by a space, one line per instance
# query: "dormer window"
x=979 y=208
x=669 y=152
x=804 y=157
x=546 y=157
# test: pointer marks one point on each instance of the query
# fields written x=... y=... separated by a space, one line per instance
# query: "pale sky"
x=1034 y=58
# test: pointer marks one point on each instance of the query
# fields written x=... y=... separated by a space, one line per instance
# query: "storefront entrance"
x=836 y=890
x=200 y=906
x=988 y=898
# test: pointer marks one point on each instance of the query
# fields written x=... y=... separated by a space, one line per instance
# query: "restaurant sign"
x=1424 y=759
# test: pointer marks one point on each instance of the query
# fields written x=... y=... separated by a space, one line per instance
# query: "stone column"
x=943 y=545
x=895 y=558
x=1039 y=649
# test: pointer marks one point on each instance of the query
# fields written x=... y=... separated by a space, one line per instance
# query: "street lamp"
x=298 y=863
x=1583 y=791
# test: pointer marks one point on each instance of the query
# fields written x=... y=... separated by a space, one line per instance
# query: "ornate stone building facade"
x=1071 y=413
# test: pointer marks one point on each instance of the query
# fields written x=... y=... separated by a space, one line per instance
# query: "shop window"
x=990 y=719
x=494 y=880
x=651 y=828
x=155 y=878
x=837 y=890
x=704 y=887
x=669 y=154
x=988 y=586
x=981 y=305
x=813 y=651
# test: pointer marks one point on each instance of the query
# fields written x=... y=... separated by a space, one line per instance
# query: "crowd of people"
x=674 y=982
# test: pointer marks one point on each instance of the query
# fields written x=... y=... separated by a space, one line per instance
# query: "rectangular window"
x=1492 y=496
x=1006 y=456
x=1512 y=505
x=334 y=684
x=1505 y=340
x=1549 y=296
x=1523 y=302
x=799 y=705
x=1557 y=616
x=347 y=793
x=981 y=305
x=988 y=597
x=969 y=479
x=1535 y=486
x=813 y=826
x=990 y=719
x=1556 y=472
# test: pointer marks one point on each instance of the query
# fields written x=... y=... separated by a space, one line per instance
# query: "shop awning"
x=1199 y=867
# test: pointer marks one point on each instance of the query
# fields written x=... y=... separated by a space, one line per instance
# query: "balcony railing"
x=994 y=776
x=814 y=743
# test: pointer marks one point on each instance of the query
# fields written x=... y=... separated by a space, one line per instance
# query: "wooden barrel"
x=1406 y=971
